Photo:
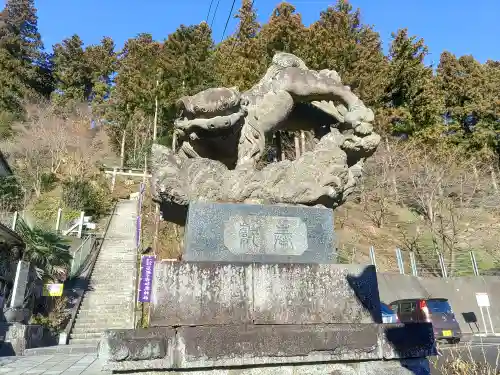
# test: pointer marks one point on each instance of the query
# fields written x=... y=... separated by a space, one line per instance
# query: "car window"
x=394 y=307
x=407 y=307
x=386 y=309
x=439 y=306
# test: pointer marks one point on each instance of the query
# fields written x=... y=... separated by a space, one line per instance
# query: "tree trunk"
x=136 y=139
x=297 y=146
x=279 y=151
x=122 y=150
x=303 y=142
x=155 y=123
x=391 y=167
x=494 y=179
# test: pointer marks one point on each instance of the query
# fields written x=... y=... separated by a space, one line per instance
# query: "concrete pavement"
x=59 y=364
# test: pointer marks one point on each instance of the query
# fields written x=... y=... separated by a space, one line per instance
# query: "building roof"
x=4 y=167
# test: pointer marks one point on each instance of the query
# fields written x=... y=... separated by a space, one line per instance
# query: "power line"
x=209 y=9
x=227 y=21
x=242 y=24
x=215 y=12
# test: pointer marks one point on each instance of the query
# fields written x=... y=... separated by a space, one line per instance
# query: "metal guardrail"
x=81 y=255
x=432 y=264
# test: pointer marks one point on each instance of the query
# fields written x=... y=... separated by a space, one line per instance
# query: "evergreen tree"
x=24 y=67
x=240 y=59
x=470 y=91
x=102 y=60
x=412 y=101
x=187 y=66
x=339 y=41
x=134 y=91
x=72 y=72
x=284 y=32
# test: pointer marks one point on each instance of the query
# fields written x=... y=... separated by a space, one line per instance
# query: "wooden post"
x=122 y=149
x=14 y=221
x=113 y=179
x=157 y=225
x=80 y=225
x=58 y=220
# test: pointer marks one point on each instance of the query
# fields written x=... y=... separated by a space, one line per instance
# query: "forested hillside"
x=431 y=186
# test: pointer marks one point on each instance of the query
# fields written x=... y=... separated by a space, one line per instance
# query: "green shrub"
x=77 y=194
x=48 y=181
x=91 y=196
x=11 y=194
x=44 y=210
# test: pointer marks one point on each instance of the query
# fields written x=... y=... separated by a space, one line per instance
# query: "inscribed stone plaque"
x=258 y=233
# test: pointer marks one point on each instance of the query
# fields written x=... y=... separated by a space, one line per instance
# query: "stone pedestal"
x=247 y=309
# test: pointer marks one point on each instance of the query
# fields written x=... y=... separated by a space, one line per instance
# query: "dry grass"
x=461 y=362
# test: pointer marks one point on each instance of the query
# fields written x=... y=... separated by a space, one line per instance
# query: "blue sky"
x=460 y=26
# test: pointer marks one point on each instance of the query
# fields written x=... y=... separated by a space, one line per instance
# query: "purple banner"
x=145 y=284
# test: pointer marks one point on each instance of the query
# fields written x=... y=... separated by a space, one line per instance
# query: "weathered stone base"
x=15 y=338
x=207 y=347
x=403 y=367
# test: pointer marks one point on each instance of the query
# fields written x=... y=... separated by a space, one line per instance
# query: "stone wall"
x=16 y=337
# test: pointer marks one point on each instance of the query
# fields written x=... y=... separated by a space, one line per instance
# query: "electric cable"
x=227 y=21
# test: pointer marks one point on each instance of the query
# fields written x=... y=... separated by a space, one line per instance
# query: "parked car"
x=388 y=316
x=432 y=310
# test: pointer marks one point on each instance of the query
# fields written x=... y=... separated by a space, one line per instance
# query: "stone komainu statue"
x=221 y=135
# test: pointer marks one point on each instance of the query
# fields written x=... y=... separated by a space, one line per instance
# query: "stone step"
x=86 y=336
x=109 y=281
x=112 y=311
x=116 y=265
x=107 y=301
x=107 y=319
x=78 y=330
x=109 y=295
x=106 y=284
x=101 y=324
x=63 y=349
x=94 y=341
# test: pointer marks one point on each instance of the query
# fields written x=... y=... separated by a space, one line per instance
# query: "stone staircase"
x=109 y=299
